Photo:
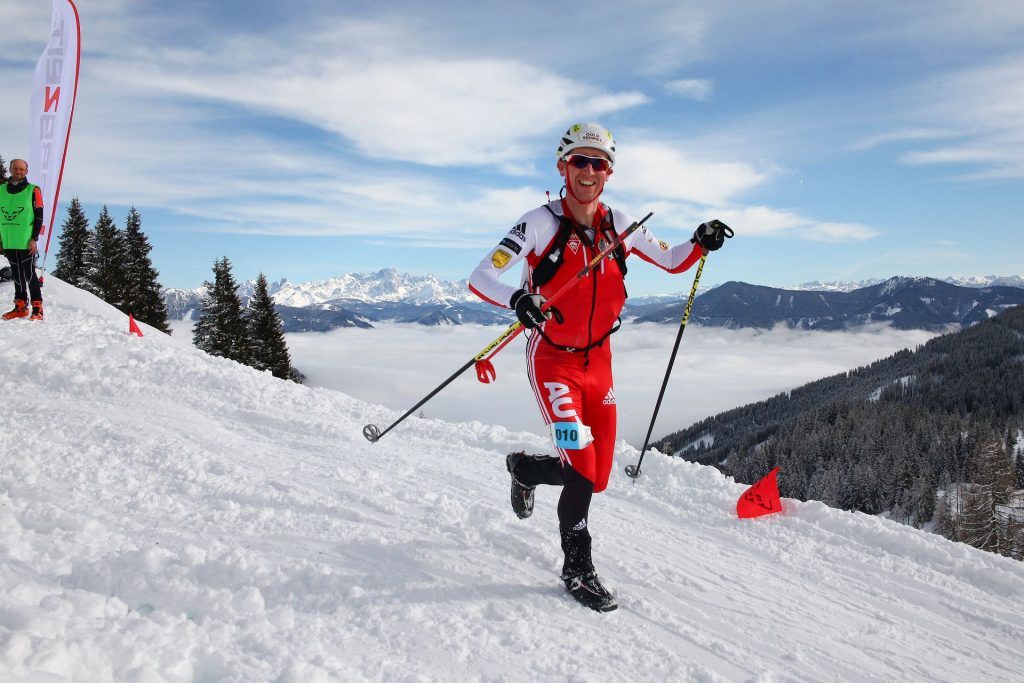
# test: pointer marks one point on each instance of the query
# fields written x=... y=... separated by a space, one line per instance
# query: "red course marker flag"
x=760 y=499
x=133 y=327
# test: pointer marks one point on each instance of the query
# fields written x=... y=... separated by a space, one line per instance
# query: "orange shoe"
x=19 y=310
x=37 y=311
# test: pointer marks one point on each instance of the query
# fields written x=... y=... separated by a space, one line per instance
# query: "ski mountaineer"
x=568 y=355
x=21 y=219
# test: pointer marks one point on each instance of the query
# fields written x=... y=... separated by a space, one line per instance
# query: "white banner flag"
x=51 y=106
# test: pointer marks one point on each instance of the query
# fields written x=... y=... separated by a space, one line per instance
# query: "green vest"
x=16 y=217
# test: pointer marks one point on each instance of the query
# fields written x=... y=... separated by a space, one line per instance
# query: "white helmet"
x=587 y=135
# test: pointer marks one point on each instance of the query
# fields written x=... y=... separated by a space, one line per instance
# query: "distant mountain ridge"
x=359 y=300
x=907 y=303
x=386 y=285
x=964 y=281
x=362 y=299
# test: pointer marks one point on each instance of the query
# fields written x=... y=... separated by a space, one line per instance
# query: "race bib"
x=571 y=436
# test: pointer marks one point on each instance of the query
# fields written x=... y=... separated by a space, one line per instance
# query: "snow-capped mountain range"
x=963 y=281
x=360 y=299
x=387 y=285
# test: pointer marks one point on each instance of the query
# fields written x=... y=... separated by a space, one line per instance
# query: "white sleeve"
x=674 y=259
x=485 y=281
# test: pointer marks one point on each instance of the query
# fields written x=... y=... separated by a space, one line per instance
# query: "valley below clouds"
x=717 y=369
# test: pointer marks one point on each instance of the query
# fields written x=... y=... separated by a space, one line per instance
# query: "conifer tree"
x=1019 y=469
x=142 y=296
x=992 y=479
x=1015 y=449
x=3 y=170
x=944 y=519
x=105 y=275
x=75 y=240
x=268 y=349
x=221 y=328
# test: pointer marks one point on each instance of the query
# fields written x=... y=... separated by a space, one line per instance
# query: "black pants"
x=23 y=270
x=577 y=490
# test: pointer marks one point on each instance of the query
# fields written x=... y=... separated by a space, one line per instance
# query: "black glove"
x=527 y=308
x=711 y=235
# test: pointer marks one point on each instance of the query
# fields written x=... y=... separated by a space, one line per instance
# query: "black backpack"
x=5 y=274
x=552 y=259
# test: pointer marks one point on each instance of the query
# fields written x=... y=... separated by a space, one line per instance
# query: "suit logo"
x=9 y=216
x=511 y=244
x=573 y=244
x=519 y=231
x=560 y=400
x=500 y=258
x=609 y=398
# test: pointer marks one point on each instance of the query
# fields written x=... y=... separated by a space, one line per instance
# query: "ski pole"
x=633 y=471
x=485 y=370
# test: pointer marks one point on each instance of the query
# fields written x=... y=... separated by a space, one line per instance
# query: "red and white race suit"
x=570 y=375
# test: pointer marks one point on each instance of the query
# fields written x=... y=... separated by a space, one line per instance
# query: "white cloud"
x=661 y=170
x=764 y=221
x=749 y=365
x=838 y=232
x=405 y=107
x=965 y=154
x=900 y=135
x=984 y=105
x=691 y=88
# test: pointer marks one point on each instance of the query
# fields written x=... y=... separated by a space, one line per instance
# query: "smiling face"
x=585 y=184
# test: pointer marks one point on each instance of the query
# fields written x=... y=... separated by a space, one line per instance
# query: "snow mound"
x=168 y=516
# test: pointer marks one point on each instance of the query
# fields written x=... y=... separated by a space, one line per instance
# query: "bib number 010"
x=571 y=436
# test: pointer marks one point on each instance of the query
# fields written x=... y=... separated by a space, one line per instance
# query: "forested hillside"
x=915 y=434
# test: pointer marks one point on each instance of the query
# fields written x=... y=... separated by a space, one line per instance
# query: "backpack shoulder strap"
x=608 y=226
x=551 y=260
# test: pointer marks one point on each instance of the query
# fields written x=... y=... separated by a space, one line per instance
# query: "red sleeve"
x=37 y=210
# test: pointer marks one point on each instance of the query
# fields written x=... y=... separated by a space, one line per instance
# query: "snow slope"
x=167 y=516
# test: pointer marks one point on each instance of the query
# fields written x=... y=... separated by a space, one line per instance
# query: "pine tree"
x=1015 y=447
x=3 y=170
x=142 y=297
x=1019 y=467
x=943 y=518
x=221 y=328
x=75 y=241
x=985 y=497
x=268 y=349
x=105 y=276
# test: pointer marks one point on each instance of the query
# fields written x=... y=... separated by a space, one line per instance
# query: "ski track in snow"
x=168 y=516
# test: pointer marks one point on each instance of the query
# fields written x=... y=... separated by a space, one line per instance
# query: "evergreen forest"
x=932 y=437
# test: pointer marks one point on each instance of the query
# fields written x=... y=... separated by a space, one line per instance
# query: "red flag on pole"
x=760 y=499
x=133 y=327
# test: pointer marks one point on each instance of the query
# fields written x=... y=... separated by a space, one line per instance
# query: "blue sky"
x=309 y=139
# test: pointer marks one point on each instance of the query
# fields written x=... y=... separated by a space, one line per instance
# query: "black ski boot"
x=522 y=495
x=579 y=576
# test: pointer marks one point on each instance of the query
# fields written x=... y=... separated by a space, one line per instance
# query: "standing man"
x=21 y=219
x=569 y=359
